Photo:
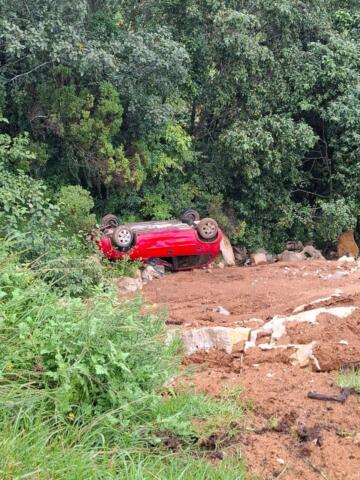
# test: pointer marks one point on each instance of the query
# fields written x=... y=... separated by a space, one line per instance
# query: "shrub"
x=123 y=267
x=81 y=359
x=75 y=204
x=25 y=204
x=336 y=217
x=71 y=272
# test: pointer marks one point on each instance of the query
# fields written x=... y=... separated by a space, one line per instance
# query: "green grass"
x=82 y=392
x=185 y=468
x=198 y=416
x=27 y=461
x=349 y=379
x=42 y=451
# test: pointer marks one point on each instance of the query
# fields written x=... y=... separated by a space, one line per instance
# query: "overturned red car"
x=177 y=244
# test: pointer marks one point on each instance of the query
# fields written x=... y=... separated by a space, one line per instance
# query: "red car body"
x=173 y=244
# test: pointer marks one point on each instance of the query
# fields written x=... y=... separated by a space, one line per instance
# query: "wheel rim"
x=123 y=237
x=208 y=230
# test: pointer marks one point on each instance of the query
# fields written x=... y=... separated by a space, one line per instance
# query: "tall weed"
x=80 y=358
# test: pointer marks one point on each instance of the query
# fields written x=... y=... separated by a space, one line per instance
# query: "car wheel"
x=190 y=216
x=109 y=221
x=123 y=237
x=207 y=229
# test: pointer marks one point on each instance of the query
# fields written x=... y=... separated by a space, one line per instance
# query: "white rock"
x=343 y=342
x=273 y=346
x=303 y=355
x=301 y=308
x=128 y=285
x=276 y=326
x=221 y=338
x=221 y=310
x=227 y=251
x=345 y=259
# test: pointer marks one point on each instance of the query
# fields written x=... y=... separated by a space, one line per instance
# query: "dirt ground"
x=285 y=435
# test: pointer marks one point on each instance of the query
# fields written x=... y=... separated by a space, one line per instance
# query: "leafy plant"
x=25 y=204
x=123 y=267
x=75 y=205
x=69 y=268
x=336 y=217
x=89 y=358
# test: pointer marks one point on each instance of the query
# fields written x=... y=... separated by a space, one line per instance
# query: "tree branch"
x=30 y=71
x=310 y=193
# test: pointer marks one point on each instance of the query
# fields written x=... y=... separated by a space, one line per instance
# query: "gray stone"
x=288 y=256
x=128 y=285
x=312 y=252
x=271 y=258
x=150 y=272
x=241 y=255
x=258 y=258
x=294 y=246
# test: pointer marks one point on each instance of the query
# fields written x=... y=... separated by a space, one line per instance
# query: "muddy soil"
x=285 y=435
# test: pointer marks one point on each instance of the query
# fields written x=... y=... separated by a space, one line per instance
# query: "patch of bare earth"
x=286 y=435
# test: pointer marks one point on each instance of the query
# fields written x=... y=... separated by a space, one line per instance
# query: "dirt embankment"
x=286 y=435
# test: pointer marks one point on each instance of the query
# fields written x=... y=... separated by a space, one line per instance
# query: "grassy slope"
x=81 y=393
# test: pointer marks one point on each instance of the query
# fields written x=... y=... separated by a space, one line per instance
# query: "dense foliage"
x=247 y=110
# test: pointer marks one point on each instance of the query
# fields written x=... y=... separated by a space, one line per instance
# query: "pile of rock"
x=295 y=251
x=141 y=277
x=294 y=254
x=239 y=341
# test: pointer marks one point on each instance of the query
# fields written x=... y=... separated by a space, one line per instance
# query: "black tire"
x=123 y=237
x=109 y=221
x=190 y=216
x=207 y=229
